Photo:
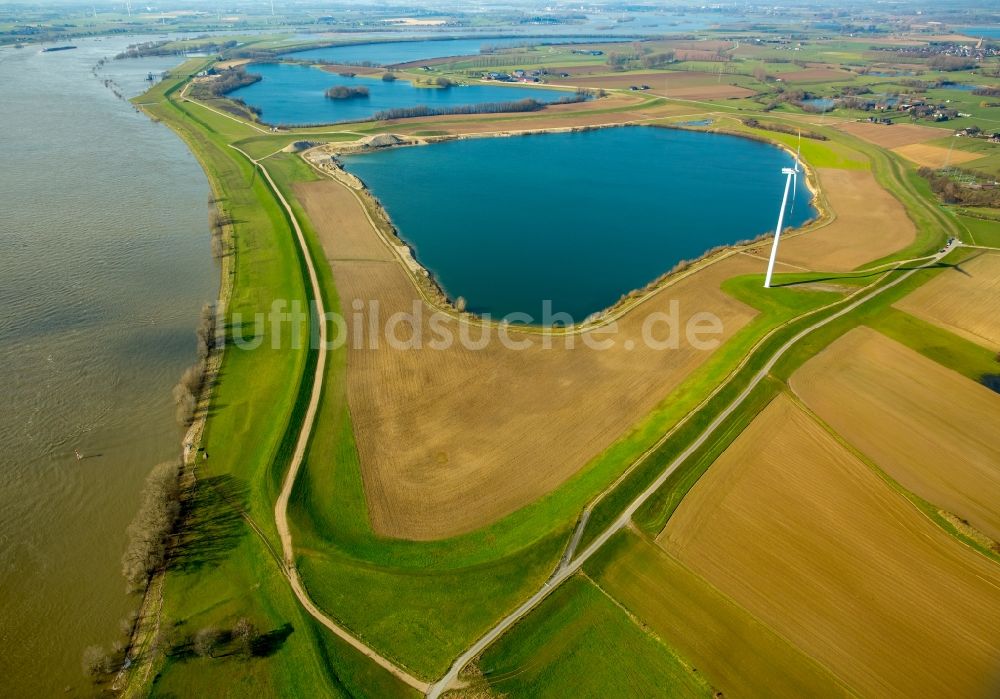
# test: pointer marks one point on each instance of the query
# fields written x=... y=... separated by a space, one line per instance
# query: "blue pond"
x=579 y=218
x=393 y=52
x=982 y=32
x=293 y=94
x=964 y=87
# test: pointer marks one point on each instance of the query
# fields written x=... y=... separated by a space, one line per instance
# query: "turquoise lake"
x=293 y=94
x=387 y=53
x=577 y=219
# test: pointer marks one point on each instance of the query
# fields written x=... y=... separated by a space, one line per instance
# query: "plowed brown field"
x=453 y=439
x=811 y=541
x=679 y=84
x=965 y=300
x=931 y=429
x=892 y=136
x=935 y=156
x=869 y=224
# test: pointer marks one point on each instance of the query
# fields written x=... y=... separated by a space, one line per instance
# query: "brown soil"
x=869 y=225
x=928 y=427
x=811 y=541
x=892 y=136
x=965 y=300
x=453 y=439
x=935 y=156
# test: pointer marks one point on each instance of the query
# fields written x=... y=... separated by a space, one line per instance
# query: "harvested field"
x=892 y=136
x=341 y=226
x=808 y=539
x=679 y=84
x=931 y=429
x=965 y=300
x=738 y=654
x=440 y=453
x=869 y=225
x=935 y=156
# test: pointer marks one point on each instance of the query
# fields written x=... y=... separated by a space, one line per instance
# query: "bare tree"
x=245 y=633
x=186 y=403
x=206 y=641
x=97 y=662
x=206 y=330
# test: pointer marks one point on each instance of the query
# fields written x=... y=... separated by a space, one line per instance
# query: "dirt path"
x=302 y=443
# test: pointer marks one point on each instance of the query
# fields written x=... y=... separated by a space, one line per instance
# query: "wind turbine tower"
x=791 y=182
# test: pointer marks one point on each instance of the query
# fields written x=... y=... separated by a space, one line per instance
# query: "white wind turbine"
x=791 y=180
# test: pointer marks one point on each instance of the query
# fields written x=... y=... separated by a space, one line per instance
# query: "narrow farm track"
x=564 y=572
x=301 y=444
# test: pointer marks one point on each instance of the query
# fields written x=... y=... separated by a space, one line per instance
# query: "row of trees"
x=242 y=640
x=218 y=221
x=422 y=110
x=657 y=60
x=952 y=192
x=525 y=105
x=150 y=530
x=783 y=128
x=169 y=47
x=951 y=63
x=189 y=387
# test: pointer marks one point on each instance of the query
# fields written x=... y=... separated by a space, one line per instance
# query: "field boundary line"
x=582 y=523
x=912 y=498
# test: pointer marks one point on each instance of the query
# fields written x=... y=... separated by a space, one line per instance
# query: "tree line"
x=781 y=128
x=524 y=105
x=952 y=192
x=163 y=48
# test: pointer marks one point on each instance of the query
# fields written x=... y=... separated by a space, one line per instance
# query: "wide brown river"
x=104 y=265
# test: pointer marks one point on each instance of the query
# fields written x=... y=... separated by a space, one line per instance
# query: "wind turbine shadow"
x=868 y=275
x=958 y=265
